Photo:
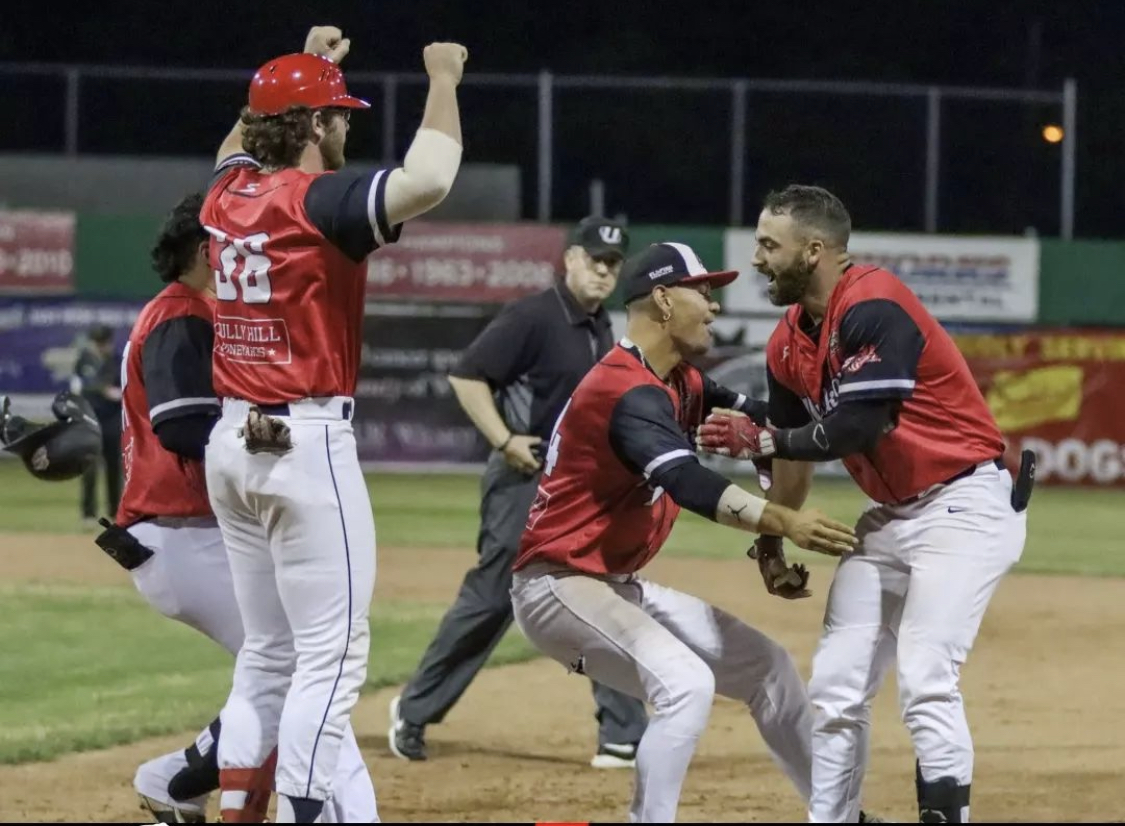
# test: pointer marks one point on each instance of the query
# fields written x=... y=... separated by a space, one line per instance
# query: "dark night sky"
x=664 y=156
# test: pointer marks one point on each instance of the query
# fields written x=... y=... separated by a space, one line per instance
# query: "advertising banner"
x=40 y=339
x=470 y=263
x=406 y=412
x=958 y=278
x=36 y=251
x=1059 y=393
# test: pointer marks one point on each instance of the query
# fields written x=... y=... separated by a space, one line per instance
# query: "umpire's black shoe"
x=407 y=740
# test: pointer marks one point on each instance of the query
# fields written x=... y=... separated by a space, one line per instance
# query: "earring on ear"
x=666 y=317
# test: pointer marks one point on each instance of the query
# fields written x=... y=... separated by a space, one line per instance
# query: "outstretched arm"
x=645 y=436
x=431 y=163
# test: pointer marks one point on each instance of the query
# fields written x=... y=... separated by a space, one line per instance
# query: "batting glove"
x=735 y=436
x=781 y=579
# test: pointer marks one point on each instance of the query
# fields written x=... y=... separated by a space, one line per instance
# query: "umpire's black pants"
x=111 y=461
x=483 y=611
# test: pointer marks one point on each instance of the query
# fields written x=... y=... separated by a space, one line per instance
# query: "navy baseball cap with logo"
x=667 y=264
x=600 y=237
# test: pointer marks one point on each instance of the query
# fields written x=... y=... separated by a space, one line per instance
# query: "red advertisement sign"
x=472 y=263
x=1059 y=393
x=36 y=251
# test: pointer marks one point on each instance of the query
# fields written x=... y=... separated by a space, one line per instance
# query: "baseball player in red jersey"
x=619 y=466
x=165 y=534
x=860 y=371
x=289 y=237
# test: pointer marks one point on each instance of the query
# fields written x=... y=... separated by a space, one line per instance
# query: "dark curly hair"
x=180 y=236
x=277 y=141
x=813 y=206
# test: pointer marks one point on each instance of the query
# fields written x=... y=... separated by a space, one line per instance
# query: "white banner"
x=958 y=278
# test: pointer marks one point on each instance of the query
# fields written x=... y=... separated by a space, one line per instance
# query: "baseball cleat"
x=615 y=756
x=871 y=817
x=406 y=740
x=165 y=813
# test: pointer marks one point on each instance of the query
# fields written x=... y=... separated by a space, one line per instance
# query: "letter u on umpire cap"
x=667 y=264
x=600 y=237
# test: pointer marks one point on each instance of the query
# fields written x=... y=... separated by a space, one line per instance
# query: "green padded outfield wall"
x=112 y=256
x=1081 y=283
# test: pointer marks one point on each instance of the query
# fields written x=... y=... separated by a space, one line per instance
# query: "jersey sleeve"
x=229 y=163
x=502 y=352
x=350 y=210
x=644 y=434
x=715 y=395
x=880 y=346
x=785 y=407
x=176 y=365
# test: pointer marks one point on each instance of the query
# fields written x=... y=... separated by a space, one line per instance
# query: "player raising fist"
x=289 y=237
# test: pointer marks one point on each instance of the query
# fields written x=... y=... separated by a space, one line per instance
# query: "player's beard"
x=332 y=156
x=331 y=147
x=790 y=284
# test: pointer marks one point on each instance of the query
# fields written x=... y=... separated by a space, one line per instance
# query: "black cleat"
x=406 y=740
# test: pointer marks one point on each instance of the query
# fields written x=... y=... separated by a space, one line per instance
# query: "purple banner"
x=40 y=339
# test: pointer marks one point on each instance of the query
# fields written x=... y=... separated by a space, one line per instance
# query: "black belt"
x=969 y=471
x=283 y=410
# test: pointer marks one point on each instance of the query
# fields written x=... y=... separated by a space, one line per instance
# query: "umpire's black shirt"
x=534 y=353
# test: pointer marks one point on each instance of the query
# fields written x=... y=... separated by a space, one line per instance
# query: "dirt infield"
x=1043 y=690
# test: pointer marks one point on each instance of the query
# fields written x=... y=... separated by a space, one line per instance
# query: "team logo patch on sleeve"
x=867 y=355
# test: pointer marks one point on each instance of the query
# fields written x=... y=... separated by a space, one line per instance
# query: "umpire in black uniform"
x=97 y=378
x=513 y=381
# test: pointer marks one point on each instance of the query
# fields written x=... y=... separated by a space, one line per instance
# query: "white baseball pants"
x=188 y=579
x=301 y=541
x=676 y=652
x=916 y=588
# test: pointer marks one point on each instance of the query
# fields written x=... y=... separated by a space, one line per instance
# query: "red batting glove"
x=735 y=436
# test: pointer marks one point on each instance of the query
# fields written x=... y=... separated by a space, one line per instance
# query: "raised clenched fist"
x=445 y=60
x=327 y=41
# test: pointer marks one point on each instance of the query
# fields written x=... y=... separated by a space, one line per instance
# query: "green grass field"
x=89 y=667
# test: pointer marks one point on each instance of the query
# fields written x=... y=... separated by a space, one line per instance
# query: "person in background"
x=97 y=378
x=513 y=381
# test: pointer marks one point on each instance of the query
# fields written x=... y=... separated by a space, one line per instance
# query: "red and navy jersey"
x=166 y=373
x=595 y=510
x=877 y=341
x=289 y=249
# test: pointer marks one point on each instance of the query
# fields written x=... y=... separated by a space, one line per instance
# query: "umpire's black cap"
x=667 y=264
x=600 y=237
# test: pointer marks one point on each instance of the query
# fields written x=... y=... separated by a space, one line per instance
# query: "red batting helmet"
x=300 y=80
